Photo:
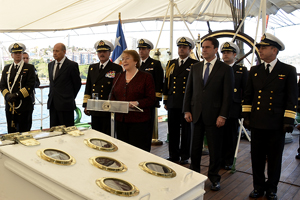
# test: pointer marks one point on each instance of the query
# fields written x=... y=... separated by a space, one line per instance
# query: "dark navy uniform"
x=269 y=102
x=174 y=90
x=101 y=83
x=154 y=68
x=23 y=87
x=232 y=124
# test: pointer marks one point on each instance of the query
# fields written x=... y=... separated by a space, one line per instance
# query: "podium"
x=112 y=107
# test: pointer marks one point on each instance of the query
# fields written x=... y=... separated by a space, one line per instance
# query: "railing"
x=41 y=98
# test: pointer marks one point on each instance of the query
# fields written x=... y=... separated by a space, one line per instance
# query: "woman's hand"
x=133 y=104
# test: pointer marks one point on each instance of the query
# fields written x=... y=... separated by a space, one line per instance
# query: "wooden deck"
x=239 y=185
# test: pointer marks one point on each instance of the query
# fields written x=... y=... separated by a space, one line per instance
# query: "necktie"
x=56 y=70
x=181 y=62
x=206 y=73
x=142 y=64
x=16 y=67
x=101 y=67
x=268 y=69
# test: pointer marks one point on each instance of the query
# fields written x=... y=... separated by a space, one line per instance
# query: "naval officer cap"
x=230 y=46
x=270 y=40
x=185 y=41
x=145 y=43
x=104 y=45
x=16 y=47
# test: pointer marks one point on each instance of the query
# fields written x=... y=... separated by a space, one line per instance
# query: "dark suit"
x=154 y=68
x=206 y=103
x=232 y=124
x=269 y=101
x=62 y=93
x=100 y=82
x=174 y=90
x=24 y=86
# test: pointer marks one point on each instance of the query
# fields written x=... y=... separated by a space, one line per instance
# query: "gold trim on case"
x=169 y=174
x=122 y=167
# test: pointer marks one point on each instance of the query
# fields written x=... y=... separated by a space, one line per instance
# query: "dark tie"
x=101 y=67
x=16 y=67
x=206 y=73
x=268 y=69
x=181 y=62
x=57 y=70
x=142 y=64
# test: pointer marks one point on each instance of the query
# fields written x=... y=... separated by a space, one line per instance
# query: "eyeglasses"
x=127 y=58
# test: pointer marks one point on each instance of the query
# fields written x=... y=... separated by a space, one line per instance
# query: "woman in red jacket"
x=138 y=89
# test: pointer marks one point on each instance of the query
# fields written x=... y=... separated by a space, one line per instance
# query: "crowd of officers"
x=206 y=98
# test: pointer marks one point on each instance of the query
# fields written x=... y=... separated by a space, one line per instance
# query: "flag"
x=120 y=45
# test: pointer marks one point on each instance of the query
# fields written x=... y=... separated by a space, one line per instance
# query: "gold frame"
x=122 y=168
x=93 y=146
x=133 y=192
x=70 y=161
x=171 y=174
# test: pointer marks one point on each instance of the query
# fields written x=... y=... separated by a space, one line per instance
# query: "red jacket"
x=141 y=88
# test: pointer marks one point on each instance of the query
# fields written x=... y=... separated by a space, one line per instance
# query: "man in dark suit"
x=207 y=101
x=298 y=125
x=65 y=83
x=99 y=81
x=229 y=51
x=17 y=83
x=152 y=66
x=269 y=109
x=177 y=72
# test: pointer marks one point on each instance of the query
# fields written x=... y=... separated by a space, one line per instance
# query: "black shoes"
x=228 y=167
x=256 y=194
x=298 y=156
x=271 y=196
x=215 y=186
x=183 y=162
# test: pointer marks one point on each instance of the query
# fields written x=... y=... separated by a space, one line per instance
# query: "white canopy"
x=49 y=15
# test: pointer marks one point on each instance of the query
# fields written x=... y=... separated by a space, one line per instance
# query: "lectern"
x=112 y=107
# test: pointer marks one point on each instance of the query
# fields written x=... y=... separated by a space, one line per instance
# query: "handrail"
x=39 y=102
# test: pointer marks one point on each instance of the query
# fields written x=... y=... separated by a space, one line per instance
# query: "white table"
x=24 y=175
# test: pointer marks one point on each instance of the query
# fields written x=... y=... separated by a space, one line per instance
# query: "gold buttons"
x=101 y=96
x=184 y=77
x=258 y=103
x=259 y=97
x=174 y=77
x=183 y=87
x=271 y=91
x=102 y=86
x=270 y=104
x=257 y=108
x=271 y=97
x=174 y=82
x=183 y=82
x=183 y=92
x=174 y=87
x=235 y=90
x=101 y=90
x=93 y=90
x=259 y=91
x=174 y=92
x=269 y=108
x=94 y=85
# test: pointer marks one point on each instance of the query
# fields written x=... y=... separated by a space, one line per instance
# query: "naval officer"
x=229 y=51
x=99 y=81
x=17 y=84
x=269 y=109
x=177 y=72
x=154 y=67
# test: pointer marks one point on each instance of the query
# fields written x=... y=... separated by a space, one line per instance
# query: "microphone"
x=109 y=96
